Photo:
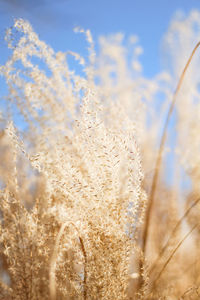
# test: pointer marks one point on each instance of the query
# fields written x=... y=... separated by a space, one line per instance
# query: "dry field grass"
x=88 y=206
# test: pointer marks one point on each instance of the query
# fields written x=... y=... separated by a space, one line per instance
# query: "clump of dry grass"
x=74 y=239
x=78 y=217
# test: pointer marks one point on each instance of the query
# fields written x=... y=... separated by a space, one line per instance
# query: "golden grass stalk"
x=52 y=268
x=160 y=152
x=172 y=234
x=171 y=256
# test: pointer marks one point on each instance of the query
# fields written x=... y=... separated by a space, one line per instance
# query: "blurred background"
x=54 y=22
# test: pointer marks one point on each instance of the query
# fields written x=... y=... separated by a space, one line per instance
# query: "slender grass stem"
x=159 y=159
x=160 y=152
x=171 y=255
x=52 y=269
x=85 y=271
x=172 y=234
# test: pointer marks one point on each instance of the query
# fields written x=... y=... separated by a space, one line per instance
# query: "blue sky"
x=54 y=22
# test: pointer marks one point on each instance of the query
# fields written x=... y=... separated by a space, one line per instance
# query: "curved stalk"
x=159 y=159
x=160 y=152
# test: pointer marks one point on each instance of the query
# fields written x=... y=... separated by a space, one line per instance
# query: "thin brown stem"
x=171 y=256
x=192 y=288
x=160 y=152
x=52 y=269
x=85 y=271
x=158 y=162
x=172 y=234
